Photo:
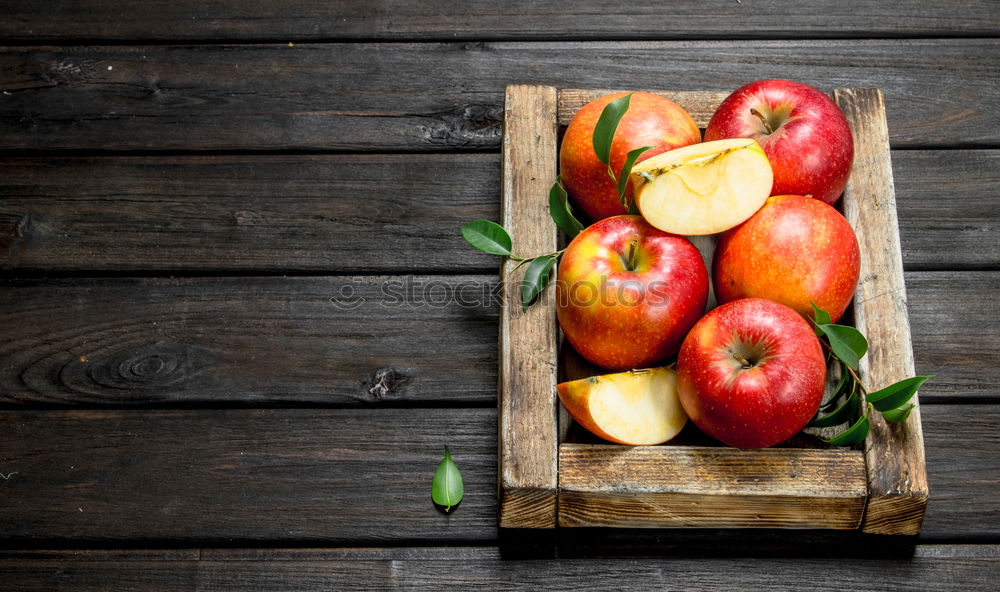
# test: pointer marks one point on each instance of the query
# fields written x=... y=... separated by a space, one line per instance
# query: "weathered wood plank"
x=897 y=477
x=352 y=475
x=325 y=341
x=106 y=20
x=444 y=95
x=369 y=213
x=963 y=468
x=702 y=487
x=328 y=214
x=969 y=568
x=949 y=216
x=526 y=402
x=282 y=340
x=292 y=474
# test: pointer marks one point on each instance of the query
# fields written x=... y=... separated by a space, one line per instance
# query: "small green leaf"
x=821 y=317
x=487 y=236
x=630 y=159
x=854 y=434
x=633 y=208
x=604 y=131
x=536 y=277
x=840 y=388
x=447 y=488
x=839 y=415
x=847 y=343
x=899 y=414
x=561 y=212
x=895 y=395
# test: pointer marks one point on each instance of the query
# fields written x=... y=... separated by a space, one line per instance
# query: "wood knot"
x=153 y=366
x=476 y=125
x=385 y=383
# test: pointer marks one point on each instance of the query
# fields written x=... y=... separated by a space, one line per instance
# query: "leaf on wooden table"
x=447 y=488
x=487 y=236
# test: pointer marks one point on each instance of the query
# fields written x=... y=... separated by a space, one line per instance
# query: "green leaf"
x=487 y=236
x=854 y=434
x=898 y=415
x=447 y=488
x=839 y=415
x=561 y=212
x=536 y=277
x=895 y=395
x=840 y=387
x=604 y=131
x=633 y=208
x=630 y=159
x=847 y=343
x=821 y=317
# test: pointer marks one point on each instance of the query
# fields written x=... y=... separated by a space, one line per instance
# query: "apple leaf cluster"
x=850 y=396
x=447 y=488
x=604 y=135
x=490 y=237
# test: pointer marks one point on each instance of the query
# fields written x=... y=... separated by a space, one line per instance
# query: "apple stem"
x=745 y=362
x=767 y=126
x=630 y=263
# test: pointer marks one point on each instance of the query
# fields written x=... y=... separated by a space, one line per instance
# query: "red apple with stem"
x=803 y=132
x=628 y=293
x=651 y=120
x=794 y=250
x=751 y=373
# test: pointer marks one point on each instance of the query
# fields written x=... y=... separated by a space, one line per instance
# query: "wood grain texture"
x=697 y=487
x=369 y=213
x=526 y=400
x=344 y=214
x=894 y=453
x=245 y=341
x=358 y=475
x=106 y=20
x=949 y=217
x=444 y=96
x=292 y=474
x=203 y=340
x=968 y=568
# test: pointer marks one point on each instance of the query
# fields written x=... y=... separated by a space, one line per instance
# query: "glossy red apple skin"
x=651 y=120
x=767 y=403
x=810 y=152
x=620 y=319
x=794 y=250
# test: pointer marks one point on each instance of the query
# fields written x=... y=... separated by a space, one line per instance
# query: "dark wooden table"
x=229 y=355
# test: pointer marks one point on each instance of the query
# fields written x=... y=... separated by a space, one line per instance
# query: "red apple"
x=651 y=120
x=628 y=293
x=803 y=132
x=751 y=373
x=793 y=250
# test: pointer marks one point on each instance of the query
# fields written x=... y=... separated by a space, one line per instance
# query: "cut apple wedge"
x=639 y=408
x=703 y=188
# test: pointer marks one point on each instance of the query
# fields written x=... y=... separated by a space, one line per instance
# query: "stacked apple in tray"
x=632 y=290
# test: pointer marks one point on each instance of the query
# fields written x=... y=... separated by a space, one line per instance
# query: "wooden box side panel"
x=897 y=477
x=703 y=487
x=526 y=403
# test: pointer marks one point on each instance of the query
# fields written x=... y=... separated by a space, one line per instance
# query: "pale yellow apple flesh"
x=639 y=407
x=703 y=188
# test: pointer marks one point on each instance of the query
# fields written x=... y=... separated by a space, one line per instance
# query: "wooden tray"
x=546 y=481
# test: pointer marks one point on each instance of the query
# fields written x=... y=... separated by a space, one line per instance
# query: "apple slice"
x=703 y=188
x=638 y=408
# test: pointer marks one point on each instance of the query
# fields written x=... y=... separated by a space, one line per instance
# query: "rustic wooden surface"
x=167 y=173
x=894 y=453
x=527 y=408
x=693 y=486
